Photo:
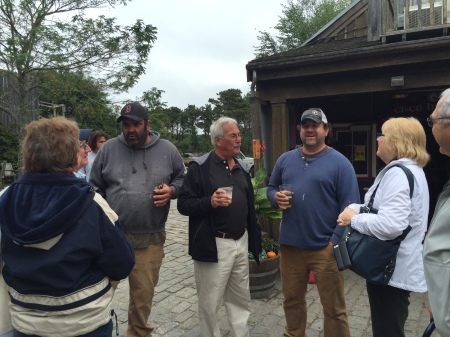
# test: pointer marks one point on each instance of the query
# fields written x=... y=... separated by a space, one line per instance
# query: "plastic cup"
x=229 y=191
x=286 y=189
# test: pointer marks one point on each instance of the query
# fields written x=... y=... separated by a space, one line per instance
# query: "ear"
x=149 y=123
x=76 y=161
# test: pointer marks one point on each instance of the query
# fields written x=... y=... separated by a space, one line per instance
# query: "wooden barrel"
x=263 y=277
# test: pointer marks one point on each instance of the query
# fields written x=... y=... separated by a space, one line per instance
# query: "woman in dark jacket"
x=62 y=244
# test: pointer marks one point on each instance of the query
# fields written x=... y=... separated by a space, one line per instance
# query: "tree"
x=301 y=19
x=174 y=114
x=83 y=98
x=57 y=35
x=232 y=104
x=157 y=110
x=9 y=146
x=206 y=118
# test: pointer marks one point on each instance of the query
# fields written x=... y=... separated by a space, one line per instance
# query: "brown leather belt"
x=223 y=235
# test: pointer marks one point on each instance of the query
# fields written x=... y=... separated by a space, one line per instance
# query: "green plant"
x=262 y=204
x=264 y=210
x=268 y=245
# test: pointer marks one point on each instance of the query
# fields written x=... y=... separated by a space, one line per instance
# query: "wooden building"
x=375 y=60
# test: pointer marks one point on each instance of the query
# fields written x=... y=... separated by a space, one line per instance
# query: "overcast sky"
x=202 y=46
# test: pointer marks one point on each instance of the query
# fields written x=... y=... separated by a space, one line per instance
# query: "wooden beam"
x=280 y=135
x=343 y=85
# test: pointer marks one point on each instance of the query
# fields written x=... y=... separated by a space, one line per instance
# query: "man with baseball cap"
x=138 y=173
x=315 y=115
x=323 y=184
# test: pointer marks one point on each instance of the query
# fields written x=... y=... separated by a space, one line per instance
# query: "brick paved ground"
x=174 y=310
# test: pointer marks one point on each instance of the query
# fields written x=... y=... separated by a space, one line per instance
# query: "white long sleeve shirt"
x=396 y=210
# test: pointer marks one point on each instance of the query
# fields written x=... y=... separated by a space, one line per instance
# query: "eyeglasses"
x=432 y=121
x=380 y=135
x=235 y=136
x=83 y=145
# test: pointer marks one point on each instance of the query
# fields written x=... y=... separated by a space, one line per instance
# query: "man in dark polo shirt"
x=221 y=230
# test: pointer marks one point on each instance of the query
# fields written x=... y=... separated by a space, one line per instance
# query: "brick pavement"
x=174 y=310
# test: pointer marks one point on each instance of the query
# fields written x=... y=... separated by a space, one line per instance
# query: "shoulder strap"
x=409 y=175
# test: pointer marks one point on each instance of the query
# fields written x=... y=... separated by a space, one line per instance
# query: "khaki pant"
x=143 y=280
x=295 y=264
x=228 y=280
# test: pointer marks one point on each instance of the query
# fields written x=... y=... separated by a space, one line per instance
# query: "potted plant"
x=264 y=211
x=263 y=276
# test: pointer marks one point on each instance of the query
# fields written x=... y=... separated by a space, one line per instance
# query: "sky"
x=202 y=46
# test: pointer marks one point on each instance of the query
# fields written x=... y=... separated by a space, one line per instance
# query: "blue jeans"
x=103 y=331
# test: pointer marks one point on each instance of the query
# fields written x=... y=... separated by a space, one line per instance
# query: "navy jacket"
x=61 y=246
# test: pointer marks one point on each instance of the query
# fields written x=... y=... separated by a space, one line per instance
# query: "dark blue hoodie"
x=61 y=246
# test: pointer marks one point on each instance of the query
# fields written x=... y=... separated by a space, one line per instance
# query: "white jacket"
x=396 y=210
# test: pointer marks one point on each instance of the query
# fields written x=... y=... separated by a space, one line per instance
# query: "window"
x=353 y=144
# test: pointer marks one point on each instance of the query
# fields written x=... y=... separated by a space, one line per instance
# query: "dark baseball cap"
x=134 y=111
x=316 y=115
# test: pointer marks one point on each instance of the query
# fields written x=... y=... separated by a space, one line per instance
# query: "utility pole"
x=54 y=107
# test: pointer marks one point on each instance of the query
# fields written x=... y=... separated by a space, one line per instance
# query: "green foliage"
x=9 y=146
x=268 y=245
x=83 y=97
x=262 y=204
x=41 y=35
x=188 y=129
x=232 y=103
x=301 y=19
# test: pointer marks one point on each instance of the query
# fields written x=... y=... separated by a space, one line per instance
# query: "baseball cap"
x=84 y=134
x=316 y=115
x=135 y=111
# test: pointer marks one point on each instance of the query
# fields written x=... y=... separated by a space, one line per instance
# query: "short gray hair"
x=445 y=107
x=216 y=129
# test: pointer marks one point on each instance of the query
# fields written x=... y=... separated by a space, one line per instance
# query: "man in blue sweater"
x=323 y=184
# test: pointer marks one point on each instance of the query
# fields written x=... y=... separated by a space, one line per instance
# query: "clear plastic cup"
x=286 y=189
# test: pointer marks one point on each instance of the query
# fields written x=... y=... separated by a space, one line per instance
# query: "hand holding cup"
x=222 y=197
x=284 y=197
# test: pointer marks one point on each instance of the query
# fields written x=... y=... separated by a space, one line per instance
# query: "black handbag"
x=369 y=257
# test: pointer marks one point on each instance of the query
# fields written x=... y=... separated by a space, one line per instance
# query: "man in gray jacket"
x=138 y=173
x=436 y=250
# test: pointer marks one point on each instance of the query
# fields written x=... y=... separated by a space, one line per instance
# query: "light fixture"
x=397 y=81
x=400 y=95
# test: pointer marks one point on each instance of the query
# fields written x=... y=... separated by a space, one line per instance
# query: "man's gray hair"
x=445 y=107
x=216 y=129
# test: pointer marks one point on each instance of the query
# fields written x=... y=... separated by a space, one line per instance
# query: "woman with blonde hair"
x=402 y=141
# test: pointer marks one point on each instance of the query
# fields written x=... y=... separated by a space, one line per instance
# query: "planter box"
x=263 y=277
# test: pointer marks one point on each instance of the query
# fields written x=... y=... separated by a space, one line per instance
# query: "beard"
x=136 y=139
